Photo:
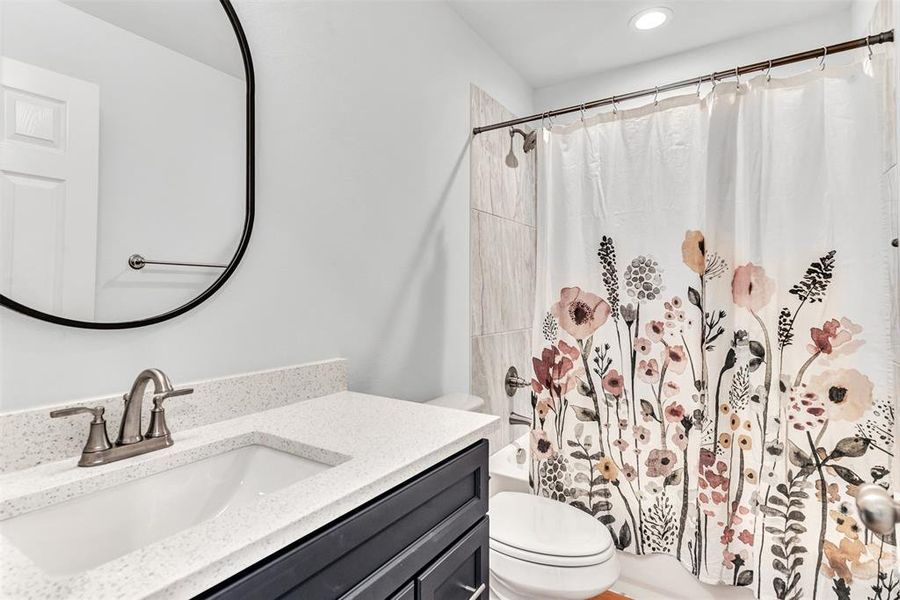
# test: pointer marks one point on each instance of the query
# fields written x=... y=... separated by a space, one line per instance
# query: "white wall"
x=833 y=28
x=361 y=243
x=171 y=151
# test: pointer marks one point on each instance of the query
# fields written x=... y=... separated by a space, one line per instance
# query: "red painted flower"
x=555 y=370
x=751 y=288
x=835 y=335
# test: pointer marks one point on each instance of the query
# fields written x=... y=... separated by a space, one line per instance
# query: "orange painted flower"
x=751 y=288
x=580 y=313
x=608 y=468
x=693 y=251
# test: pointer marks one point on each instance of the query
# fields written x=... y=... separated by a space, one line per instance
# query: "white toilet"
x=540 y=549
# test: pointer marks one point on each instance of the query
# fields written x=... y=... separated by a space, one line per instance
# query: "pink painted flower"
x=660 y=463
x=675 y=359
x=751 y=288
x=674 y=413
x=542 y=448
x=642 y=345
x=746 y=537
x=629 y=472
x=613 y=383
x=670 y=389
x=580 y=313
x=655 y=330
x=679 y=438
x=727 y=537
x=621 y=445
x=648 y=371
x=641 y=434
x=846 y=393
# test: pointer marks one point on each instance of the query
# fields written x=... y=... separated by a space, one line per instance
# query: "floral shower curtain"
x=712 y=356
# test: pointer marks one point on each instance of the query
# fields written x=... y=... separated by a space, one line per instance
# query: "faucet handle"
x=97 y=411
x=158 y=398
x=97 y=440
x=158 y=427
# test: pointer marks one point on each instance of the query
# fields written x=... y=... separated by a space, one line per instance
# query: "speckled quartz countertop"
x=375 y=444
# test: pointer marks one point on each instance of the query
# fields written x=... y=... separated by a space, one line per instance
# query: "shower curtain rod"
x=863 y=42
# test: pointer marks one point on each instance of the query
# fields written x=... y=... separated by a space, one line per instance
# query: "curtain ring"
x=823 y=57
x=582 y=112
x=737 y=76
x=769 y=72
x=656 y=96
x=615 y=108
x=699 y=81
x=715 y=82
x=869 y=48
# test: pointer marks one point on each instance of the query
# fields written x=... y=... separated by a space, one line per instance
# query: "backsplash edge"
x=30 y=437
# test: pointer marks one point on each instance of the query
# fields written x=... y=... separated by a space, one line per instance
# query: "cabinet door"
x=407 y=593
x=459 y=573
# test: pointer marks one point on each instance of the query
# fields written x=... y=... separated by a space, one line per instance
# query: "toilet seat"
x=547 y=532
x=552 y=560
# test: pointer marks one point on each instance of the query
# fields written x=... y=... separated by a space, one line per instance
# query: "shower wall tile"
x=502 y=272
x=498 y=189
x=503 y=247
x=492 y=355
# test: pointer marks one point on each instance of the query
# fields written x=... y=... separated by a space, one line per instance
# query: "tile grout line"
x=490 y=214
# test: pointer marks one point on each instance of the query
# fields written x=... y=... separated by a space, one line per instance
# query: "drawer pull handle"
x=476 y=592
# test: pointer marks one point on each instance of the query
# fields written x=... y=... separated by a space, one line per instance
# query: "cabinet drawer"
x=459 y=572
x=374 y=551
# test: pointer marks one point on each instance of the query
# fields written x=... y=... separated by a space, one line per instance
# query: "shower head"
x=529 y=141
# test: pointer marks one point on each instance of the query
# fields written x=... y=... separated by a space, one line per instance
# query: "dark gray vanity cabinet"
x=426 y=539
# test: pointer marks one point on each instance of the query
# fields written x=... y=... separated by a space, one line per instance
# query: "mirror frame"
x=250 y=208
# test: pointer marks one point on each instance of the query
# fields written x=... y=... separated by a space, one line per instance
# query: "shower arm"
x=766 y=65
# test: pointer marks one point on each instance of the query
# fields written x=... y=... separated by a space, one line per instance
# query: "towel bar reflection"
x=138 y=262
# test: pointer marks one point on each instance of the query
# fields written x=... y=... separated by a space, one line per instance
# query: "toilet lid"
x=532 y=524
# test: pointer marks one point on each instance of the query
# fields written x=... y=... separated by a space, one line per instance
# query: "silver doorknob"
x=877 y=510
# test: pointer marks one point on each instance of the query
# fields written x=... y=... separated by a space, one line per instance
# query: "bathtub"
x=667 y=573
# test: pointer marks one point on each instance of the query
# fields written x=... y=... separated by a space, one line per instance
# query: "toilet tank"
x=465 y=402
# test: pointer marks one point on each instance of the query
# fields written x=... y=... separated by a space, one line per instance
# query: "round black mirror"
x=126 y=158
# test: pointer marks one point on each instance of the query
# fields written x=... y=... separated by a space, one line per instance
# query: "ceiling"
x=197 y=29
x=551 y=41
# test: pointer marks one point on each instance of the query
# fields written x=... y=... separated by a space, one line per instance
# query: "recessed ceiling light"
x=651 y=18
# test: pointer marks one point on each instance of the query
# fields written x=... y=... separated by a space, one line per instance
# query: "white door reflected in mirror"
x=123 y=132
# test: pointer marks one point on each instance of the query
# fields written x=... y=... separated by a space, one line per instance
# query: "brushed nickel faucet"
x=98 y=450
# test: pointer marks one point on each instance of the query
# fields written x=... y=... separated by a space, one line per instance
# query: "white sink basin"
x=87 y=531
